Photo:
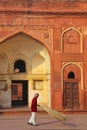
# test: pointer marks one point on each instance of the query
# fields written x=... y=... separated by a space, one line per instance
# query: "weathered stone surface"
x=49 y=38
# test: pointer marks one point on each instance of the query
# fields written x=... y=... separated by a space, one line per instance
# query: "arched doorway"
x=71 y=87
x=25 y=70
x=31 y=64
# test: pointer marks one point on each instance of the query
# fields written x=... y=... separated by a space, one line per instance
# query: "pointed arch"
x=79 y=66
x=19 y=66
x=24 y=47
x=71 y=75
x=17 y=58
x=45 y=51
x=27 y=34
x=76 y=30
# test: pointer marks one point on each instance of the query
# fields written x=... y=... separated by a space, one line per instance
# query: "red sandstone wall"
x=46 y=22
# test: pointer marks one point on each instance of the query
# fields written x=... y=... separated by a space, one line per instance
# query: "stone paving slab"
x=45 y=122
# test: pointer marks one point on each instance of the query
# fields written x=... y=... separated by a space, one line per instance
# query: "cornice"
x=41 y=13
x=49 y=7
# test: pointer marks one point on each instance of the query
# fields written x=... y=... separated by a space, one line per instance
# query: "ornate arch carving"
x=71 y=38
x=78 y=68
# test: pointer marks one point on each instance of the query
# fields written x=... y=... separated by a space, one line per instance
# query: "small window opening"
x=19 y=66
x=71 y=75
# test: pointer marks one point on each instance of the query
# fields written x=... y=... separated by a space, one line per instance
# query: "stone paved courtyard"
x=44 y=121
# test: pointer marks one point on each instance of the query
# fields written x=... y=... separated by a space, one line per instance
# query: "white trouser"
x=33 y=118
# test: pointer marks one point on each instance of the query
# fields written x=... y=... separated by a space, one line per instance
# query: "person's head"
x=36 y=94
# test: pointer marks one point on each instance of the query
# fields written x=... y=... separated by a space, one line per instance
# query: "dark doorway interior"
x=19 y=93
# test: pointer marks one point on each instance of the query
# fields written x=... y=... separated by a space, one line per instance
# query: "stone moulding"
x=44 y=13
x=68 y=7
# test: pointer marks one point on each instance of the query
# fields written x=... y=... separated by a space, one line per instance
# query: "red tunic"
x=34 y=104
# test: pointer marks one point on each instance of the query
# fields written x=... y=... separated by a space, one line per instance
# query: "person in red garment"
x=32 y=120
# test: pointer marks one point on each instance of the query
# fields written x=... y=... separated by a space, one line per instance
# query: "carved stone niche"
x=71 y=36
x=71 y=39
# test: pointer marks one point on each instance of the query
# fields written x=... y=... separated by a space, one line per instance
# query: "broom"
x=54 y=113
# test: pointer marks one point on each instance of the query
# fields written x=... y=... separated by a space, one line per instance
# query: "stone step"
x=26 y=110
x=75 y=111
x=18 y=111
